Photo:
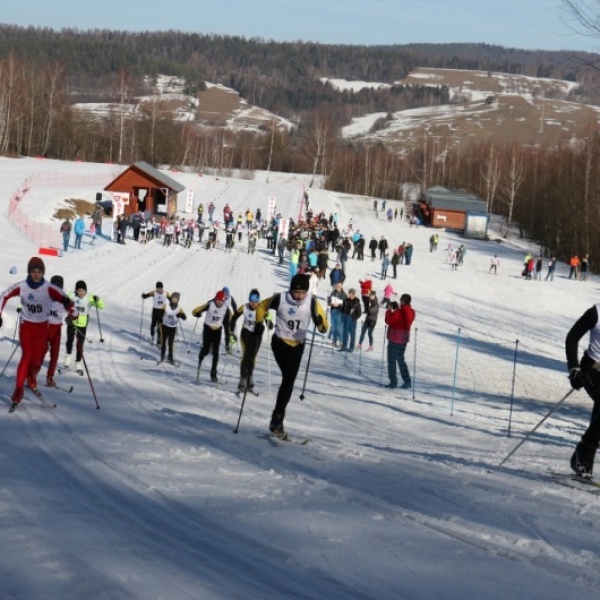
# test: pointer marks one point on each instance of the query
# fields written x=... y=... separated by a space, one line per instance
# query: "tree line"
x=549 y=193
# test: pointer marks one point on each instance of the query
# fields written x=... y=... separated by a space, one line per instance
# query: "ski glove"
x=259 y=328
x=144 y=296
x=318 y=320
x=19 y=309
x=577 y=378
x=95 y=299
x=232 y=339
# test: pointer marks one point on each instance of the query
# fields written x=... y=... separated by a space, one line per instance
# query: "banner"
x=284 y=229
x=189 y=201
x=272 y=203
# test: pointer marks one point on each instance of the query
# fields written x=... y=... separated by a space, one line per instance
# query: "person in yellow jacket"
x=295 y=309
x=77 y=327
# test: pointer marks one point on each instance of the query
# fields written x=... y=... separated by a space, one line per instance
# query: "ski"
x=274 y=438
x=240 y=393
x=13 y=407
x=168 y=362
x=575 y=481
x=42 y=401
x=62 y=389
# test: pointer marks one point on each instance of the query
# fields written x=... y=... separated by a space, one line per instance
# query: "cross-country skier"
x=295 y=309
x=218 y=317
x=36 y=296
x=250 y=338
x=159 y=301
x=172 y=312
x=586 y=374
x=78 y=326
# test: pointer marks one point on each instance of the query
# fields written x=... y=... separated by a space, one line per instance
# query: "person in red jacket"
x=399 y=320
x=36 y=296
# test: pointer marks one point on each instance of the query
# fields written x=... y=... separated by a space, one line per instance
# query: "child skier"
x=36 y=296
x=78 y=326
x=159 y=301
x=55 y=321
x=218 y=317
x=170 y=320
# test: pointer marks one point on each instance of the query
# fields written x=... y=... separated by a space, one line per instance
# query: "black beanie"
x=81 y=285
x=300 y=282
x=58 y=281
x=159 y=285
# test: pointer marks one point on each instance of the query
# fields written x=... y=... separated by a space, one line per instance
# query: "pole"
x=9 y=359
x=237 y=427
x=80 y=348
x=141 y=321
x=536 y=427
x=99 y=325
x=312 y=343
x=192 y=336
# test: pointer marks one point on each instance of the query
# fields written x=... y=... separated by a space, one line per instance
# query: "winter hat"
x=226 y=291
x=81 y=285
x=300 y=283
x=58 y=281
x=35 y=262
x=254 y=296
x=220 y=295
x=159 y=285
x=175 y=295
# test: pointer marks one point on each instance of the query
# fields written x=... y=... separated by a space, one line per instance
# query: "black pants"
x=590 y=440
x=167 y=337
x=250 y=343
x=157 y=314
x=71 y=332
x=211 y=340
x=288 y=359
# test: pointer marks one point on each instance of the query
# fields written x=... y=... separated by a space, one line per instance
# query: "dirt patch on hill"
x=77 y=207
x=217 y=104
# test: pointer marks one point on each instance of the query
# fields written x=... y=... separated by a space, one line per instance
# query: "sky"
x=531 y=24
x=398 y=495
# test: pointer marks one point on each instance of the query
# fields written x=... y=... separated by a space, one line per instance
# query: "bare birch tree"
x=512 y=180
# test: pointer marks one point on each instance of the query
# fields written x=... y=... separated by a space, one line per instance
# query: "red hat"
x=36 y=262
x=220 y=295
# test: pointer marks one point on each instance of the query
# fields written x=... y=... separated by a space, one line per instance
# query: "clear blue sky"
x=532 y=24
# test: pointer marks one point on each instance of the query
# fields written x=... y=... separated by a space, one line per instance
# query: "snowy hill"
x=485 y=105
x=394 y=497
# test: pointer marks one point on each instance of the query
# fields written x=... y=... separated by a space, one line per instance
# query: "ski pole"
x=237 y=427
x=99 y=325
x=87 y=371
x=312 y=342
x=182 y=332
x=141 y=321
x=537 y=426
x=191 y=336
x=9 y=359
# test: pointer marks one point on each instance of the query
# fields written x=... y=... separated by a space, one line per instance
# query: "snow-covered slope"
x=153 y=496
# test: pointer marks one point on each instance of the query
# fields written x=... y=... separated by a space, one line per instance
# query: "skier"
x=159 y=301
x=36 y=296
x=55 y=321
x=218 y=317
x=250 y=338
x=294 y=311
x=171 y=314
x=78 y=326
x=586 y=374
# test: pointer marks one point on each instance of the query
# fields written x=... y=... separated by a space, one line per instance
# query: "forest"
x=550 y=193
